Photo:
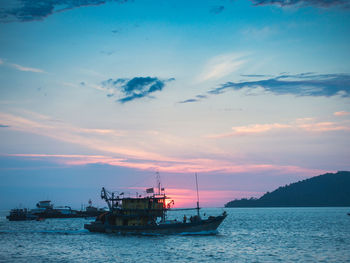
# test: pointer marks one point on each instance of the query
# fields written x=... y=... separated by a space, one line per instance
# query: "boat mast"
x=158 y=182
x=159 y=193
x=197 y=196
x=104 y=196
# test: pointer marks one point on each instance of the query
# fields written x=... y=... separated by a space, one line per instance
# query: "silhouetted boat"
x=147 y=215
x=21 y=215
x=45 y=209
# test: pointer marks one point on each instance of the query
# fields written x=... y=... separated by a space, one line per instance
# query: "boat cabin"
x=44 y=204
x=137 y=211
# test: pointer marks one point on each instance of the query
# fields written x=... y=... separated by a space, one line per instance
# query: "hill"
x=324 y=190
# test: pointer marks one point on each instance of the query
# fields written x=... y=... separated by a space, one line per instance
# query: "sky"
x=249 y=94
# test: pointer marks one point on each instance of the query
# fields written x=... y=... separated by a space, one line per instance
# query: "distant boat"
x=45 y=209
x=21 y=215
x=148 y=215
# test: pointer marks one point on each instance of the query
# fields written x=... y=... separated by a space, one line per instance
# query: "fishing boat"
x=45 y=209
x=21 y=214
x=148 y=215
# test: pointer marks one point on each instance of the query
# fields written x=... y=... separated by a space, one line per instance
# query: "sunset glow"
x=251 y=95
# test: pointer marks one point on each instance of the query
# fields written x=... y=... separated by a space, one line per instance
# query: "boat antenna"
x=197 y=196
x=158 y=182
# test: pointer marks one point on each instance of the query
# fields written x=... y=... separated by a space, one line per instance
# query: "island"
x=330 y=189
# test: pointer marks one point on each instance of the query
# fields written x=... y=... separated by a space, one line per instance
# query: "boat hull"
x=21 y=217
x=208 y=226
x=76 y=214
x=51 y=214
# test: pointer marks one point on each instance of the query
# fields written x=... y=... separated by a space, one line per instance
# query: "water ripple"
x=246 y=235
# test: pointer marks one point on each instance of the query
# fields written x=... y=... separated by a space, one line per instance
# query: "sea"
x=246 y=235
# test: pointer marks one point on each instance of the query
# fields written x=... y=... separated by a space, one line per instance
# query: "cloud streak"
x=304 y=84
x=34 y=10
x=341 y=113
x=198 y=98
x=221 y=66
x=135 y=88
x=304 y=3
x=173 y=165
x=26 y=69
x=305 y=124
x=20 y=67
x=113 y=149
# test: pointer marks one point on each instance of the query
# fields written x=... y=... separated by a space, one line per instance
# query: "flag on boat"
x=149 y=190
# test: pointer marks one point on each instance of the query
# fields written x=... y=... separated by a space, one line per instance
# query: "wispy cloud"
x=196 y=99
x=31 y=10
x=258 y=33
x=118 y=152
x=304 y=124
x=250 y=130
x=135 y=88
x=324 y=127
x=109 y=141
x=255 y=75
x=302 y=3
x=20 y=67
x=304 y=84
x=174 y=165
x=188 y=101
x=221 y=66
x=39 y=124
x=341 y=113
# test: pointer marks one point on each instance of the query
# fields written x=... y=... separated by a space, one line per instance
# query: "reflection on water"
x=246 y=235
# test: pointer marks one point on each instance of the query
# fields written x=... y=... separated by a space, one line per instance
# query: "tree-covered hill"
x=323 y=190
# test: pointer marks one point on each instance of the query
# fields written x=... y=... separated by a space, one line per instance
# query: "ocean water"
x=246 y=235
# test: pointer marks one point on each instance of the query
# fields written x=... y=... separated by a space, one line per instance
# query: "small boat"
x=148 y=215
x=21 y=215
x=45 y=209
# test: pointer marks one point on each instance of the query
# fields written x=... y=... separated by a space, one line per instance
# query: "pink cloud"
x=341 y=113
x=302 y=124
x=324 y=127
x=118 y=150
x=176 y=165
x=251 y=129
x=258 y=128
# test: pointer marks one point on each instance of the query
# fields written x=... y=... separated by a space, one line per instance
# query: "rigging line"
x=142 y=181
x=197 y=189
x=197 y=196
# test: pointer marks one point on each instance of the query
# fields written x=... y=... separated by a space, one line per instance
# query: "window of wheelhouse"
x=161 y=201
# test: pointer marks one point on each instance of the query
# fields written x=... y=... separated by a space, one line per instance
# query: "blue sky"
x=249 y=94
